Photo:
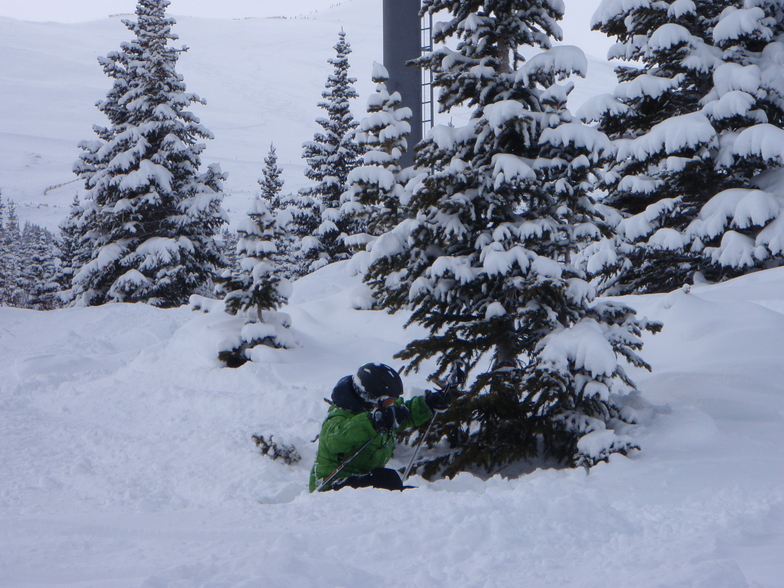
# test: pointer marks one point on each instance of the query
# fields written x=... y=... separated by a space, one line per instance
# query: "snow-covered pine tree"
x=272 y=192
x=228 y=245
x=487 y=263
x=665 y=169
x=375 y=200
x=3 y=255
x=304 y=222
x=330 y=156
x=257 y=290
x=29 y=269
x=150 y=214
x=39 y=268
x=741 y=227
x=4 y=269
x=11 y=291
x=74 y=249
x=271 y=183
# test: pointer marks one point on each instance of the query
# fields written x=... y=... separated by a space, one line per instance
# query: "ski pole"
x=454 y=379
x=418 y=447
x=325 y=483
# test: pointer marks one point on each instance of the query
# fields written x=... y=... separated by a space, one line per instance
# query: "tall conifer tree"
x=74 y=252
x=271 y=183
x=3 y=255
x=487 y=261
x=330 y=156
x=272 y=193
x=665 y=168
x=39 y=268
x=11 y=291
x=150 y=214
x=741 y=227
x=690 y=125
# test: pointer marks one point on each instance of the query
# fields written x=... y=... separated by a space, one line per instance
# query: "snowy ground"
x=127 y=459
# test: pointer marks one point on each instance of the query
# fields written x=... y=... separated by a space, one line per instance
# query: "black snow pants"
x=378 y=478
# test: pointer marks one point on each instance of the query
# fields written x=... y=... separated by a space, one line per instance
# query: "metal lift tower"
x=404 y=39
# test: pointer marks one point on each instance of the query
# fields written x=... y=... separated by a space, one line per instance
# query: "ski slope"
x=262 y=78
x=127 y=459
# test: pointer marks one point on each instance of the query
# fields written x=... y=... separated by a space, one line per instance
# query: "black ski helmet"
x=376 y=380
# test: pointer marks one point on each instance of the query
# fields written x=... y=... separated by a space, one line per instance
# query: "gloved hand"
x=458 y=376
x=388 y=418
x=437 y=401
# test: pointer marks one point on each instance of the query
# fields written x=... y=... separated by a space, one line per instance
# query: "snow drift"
x=128 y=460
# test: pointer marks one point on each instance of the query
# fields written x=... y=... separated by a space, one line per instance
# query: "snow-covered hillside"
x=127 y=459
x=262 y=79
x=83 y=10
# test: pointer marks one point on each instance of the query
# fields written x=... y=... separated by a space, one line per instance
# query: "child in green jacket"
x=367 y=408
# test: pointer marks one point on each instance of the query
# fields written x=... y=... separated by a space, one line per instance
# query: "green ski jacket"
x=345 y=431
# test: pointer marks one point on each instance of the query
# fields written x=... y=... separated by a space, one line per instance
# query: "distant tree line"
x=31 y=269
